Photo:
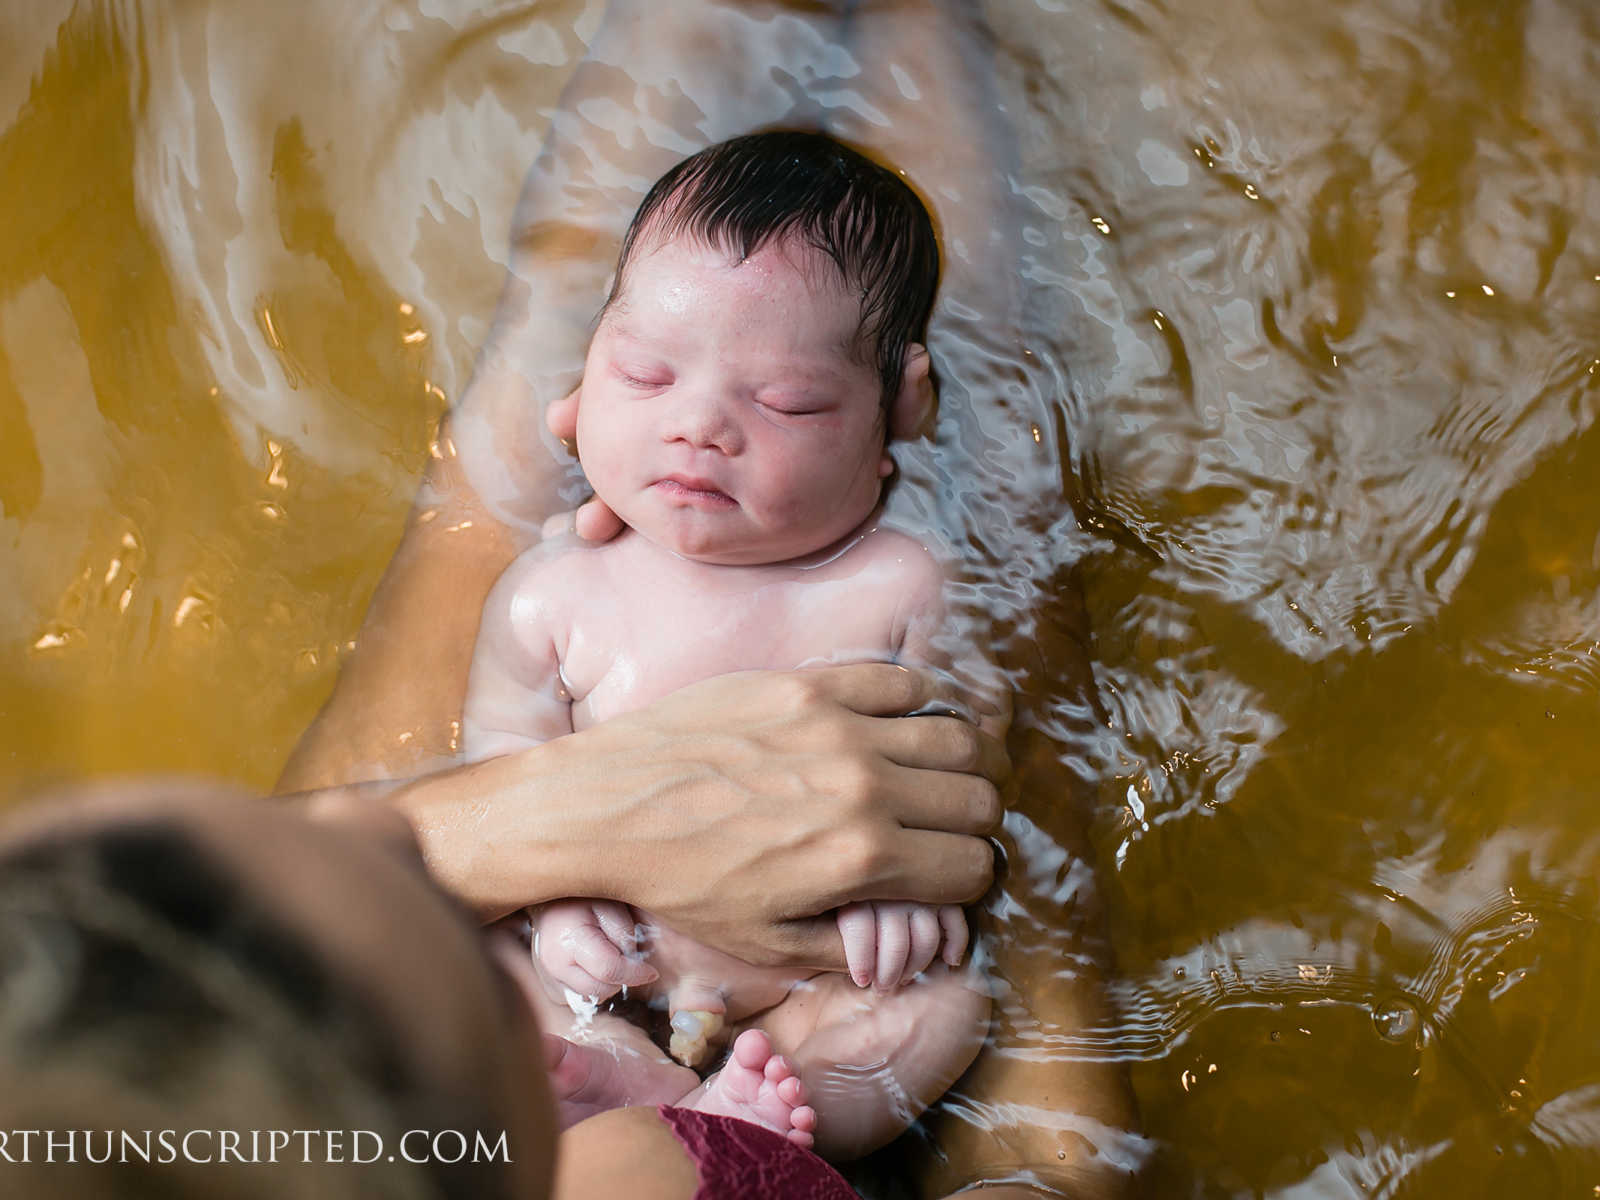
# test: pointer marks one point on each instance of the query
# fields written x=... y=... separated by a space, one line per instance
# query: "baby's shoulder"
x=901 y=557
x=541 y=579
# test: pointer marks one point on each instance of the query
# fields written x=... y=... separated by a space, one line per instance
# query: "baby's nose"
x=706 y=420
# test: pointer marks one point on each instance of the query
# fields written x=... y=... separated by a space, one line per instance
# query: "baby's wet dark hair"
x=742 y=194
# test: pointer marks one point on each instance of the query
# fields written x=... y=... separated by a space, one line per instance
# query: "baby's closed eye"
x=793 y=405
x=642 y=377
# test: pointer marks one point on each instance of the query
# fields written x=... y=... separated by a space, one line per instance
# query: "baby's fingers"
x=617 y=923
x=581 y=989
x=894 y=945
x=925 y=938
x=593 y=952
x=858 y=927
x=953 y=921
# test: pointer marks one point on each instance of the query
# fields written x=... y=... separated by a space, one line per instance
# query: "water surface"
x=1312 y=335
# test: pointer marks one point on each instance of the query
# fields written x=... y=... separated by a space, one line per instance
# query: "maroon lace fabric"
x=737 y=1159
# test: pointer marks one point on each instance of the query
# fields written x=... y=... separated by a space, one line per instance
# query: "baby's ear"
x=913 y=405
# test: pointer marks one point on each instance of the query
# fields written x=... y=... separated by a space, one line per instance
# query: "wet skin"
x=732 y=415
x=727 y=413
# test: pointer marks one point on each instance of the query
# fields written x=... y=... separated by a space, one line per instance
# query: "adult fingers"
x=929 y=868
x=595 y=522
x=810 y=942
x=953 y=922
x=940 y=743
x=939 y=801
x=894 y=945
x=875 y=689
x=561 y=417
x=925 y=938
x=859 y=928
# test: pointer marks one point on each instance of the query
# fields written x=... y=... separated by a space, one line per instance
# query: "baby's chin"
x=722 y=552
x=723 y=547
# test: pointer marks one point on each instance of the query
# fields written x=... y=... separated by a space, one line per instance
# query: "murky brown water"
x=1312 y=320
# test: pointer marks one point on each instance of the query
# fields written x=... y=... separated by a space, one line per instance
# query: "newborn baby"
x=759 y=347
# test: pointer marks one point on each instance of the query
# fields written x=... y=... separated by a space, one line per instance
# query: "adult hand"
x=740 y=809
x=802 y=792
x=797 y=793
x=593 y=521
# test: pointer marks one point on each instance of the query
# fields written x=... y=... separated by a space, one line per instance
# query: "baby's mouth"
x=694 y=491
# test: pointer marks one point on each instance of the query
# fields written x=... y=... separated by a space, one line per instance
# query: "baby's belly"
x=609 y=672
x=695 y=976
x=620 y=686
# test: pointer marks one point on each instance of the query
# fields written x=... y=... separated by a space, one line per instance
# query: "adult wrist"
x=509 y=831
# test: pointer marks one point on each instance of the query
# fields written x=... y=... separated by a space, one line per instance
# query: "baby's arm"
x=515 y=697
x=928 y=635
x=888 y=943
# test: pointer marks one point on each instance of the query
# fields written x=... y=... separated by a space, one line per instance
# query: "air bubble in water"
x=1396 y=1020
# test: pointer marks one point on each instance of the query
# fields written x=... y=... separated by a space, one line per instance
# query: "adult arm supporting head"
x=396 y=707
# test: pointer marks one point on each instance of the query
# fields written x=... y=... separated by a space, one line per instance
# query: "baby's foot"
x=759 y=1086
x=593 y=1078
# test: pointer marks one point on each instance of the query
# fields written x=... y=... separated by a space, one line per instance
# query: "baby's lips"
x=695 y=483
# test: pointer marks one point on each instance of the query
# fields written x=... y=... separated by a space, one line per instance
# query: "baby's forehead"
x=782 y=282
x=783 y=254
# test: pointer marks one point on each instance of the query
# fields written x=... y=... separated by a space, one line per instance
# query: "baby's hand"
x=589 y=947
x=890 y=942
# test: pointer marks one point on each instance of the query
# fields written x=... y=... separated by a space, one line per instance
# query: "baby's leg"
x=598 y=1061
x=873 y=1062
x=760 y=1086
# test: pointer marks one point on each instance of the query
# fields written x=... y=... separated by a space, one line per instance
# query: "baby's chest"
x=645 y=642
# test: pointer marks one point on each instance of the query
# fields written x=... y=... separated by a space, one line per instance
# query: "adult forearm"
x=539 y=825
x=492 y=478
x=396 y=708
x=495 y=474
x=738 y=809
x=506 y=832
x=949 y=133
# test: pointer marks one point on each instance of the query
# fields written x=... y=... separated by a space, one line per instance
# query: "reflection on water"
x=1312 y=362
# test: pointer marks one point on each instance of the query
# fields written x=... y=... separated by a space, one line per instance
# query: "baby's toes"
x=753 y=1051
x=792 y=1091
x=803 y=1127
x=778 y=1069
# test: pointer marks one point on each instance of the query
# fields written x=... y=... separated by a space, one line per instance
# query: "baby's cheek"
x=839 y=491
x=800 y=505
x=604 y=461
